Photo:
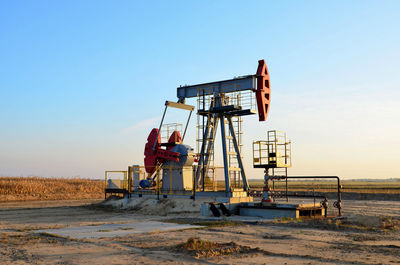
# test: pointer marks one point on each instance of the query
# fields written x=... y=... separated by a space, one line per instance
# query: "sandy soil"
x=278 y=242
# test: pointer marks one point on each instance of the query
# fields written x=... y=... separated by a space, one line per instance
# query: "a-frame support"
x=239 y=157
x=208 y=144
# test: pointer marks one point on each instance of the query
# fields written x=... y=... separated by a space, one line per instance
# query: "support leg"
x=226 y=169
x=211 y=141
x=239 y=158
x=203 y=147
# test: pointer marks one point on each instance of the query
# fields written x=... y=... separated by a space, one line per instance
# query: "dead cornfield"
x=38 y=188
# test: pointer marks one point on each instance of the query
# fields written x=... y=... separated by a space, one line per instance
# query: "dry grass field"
x=36 y=188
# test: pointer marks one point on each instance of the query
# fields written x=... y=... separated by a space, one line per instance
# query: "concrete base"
x=266 y=211
x=206 y=211
x=231 y=200
x=274 y=210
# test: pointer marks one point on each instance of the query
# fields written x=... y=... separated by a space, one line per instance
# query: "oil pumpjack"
x=172 y=168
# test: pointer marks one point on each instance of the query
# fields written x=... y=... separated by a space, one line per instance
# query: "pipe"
x=337 y=204
x=308 y=196
x=187 y=123
x=159 y=128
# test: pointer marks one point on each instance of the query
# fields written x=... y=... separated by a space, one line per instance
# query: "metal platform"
x=274 y=210
x=263 y=211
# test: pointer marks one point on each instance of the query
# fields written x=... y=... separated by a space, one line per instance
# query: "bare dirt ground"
x=367 y=234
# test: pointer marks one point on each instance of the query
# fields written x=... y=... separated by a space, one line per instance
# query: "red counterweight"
x=158 y=155
x=263 y=92
x=174 y=139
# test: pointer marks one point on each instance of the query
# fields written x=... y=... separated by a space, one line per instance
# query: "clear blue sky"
x=83 y=82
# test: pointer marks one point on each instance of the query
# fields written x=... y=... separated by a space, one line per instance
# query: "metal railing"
x=115 y=186
x=169 y=180
x=272 y=153
x=168 y=129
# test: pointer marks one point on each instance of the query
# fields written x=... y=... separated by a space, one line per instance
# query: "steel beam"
x=231 y=85
x=179 y=105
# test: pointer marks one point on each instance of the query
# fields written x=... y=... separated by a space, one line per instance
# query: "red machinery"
x=153 y=157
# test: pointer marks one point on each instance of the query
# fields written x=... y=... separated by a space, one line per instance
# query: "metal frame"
x=266 y=154
x=178 y=106
x=219 y=112
x=122 y=190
